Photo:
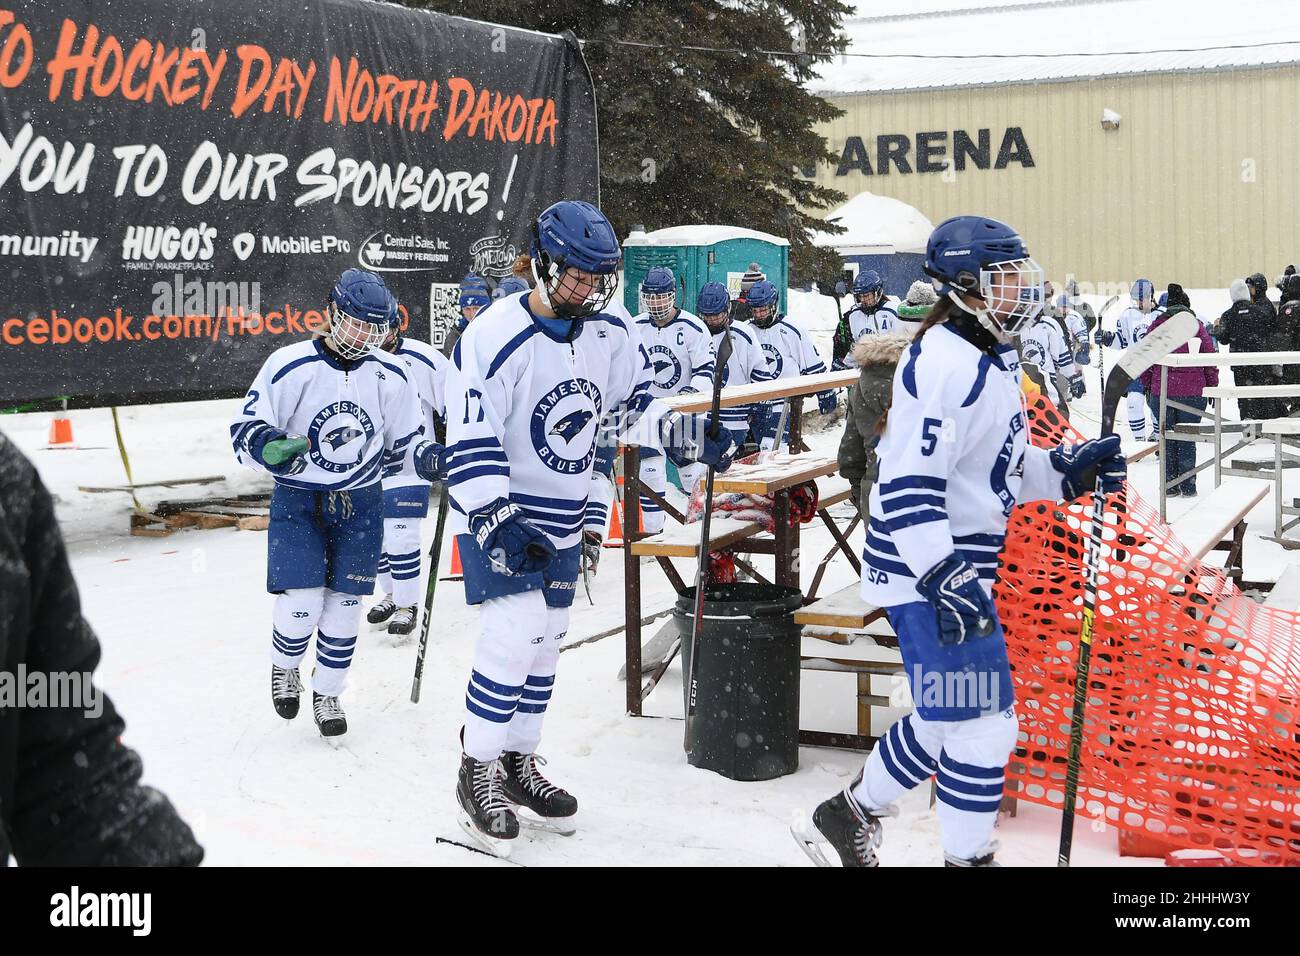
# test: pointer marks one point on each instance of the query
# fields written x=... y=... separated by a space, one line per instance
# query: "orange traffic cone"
x=614 y=533
x=61 y=431
x=456 y=572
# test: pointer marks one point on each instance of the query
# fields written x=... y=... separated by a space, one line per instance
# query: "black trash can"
x=747 y=679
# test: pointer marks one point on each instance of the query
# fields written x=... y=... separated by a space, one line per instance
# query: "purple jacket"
x=1183 y=381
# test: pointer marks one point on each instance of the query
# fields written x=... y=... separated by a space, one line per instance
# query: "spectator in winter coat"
x=876 y=356
x=70 y=793
x=1249 y=327
x=1259 y=293
x=1289 y=335
x=1185 y=386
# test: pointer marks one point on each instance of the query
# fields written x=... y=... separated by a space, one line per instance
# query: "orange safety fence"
x=1192 y=726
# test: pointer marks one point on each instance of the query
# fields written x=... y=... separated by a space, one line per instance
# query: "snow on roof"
x=698 y=236
x=872 y=220
x=1006 y=40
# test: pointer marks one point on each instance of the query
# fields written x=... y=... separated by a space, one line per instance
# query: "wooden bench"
x=844 y=634
x=1217 y=522
x=1285 y=595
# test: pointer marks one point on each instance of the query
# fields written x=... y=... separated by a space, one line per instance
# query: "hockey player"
x=406 y=494
x=526 y=393
x=1130 y=329
x=1042 y=345
x=1075 y=302
x=713 y=306
x=789 y=351
x=325 y=417
x=472 y=299
x=954 y=461
x=510 y=285
x=681 y=356
x=872 y=313
x=1076 y=328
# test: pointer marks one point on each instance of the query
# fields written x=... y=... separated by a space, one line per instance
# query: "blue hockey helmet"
x=575 y=258
x=1163 y=301
x=713 y=304
x=659 y=293
x=1143 y=292
x=510 y=285
x=868 y=287
x=987 y=259
x=762 y=302
x=362 y=312
x=473 y=280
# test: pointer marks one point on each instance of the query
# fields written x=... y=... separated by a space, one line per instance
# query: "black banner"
x=181 y=183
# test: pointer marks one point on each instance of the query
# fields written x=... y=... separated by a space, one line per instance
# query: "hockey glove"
x=591 y=549
x=827 y=402
x=1084 y=354
x=281 y=454
x=1104 y=337
x=687 y=449
x=1081 y=465
x=509 y=540
x=965 y=611
x=431 y=461
x=1077 y=388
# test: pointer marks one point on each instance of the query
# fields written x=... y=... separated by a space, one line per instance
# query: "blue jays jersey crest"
x=775 y=362
x=665 y=366
x=339 y=434
x=563 y=426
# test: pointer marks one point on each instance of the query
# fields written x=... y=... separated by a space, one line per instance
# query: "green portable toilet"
x=700 y=254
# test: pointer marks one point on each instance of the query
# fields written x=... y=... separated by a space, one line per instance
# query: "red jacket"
x=1183 y=381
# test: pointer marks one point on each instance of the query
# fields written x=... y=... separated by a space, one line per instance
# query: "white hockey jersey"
x=680 y=351
x=789 y=351
x=426 y=369
x=1132 y=326
x=1043 y=345
x=954 y=459
x=883 y=319
x=359 y=417
x=1078 y=327
x=523 y=411
x=747 y=359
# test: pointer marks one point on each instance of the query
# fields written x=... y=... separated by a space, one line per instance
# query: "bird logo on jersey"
x=572 y=424
x=667 y=370
x=333 y=430
x=341 y=436
x=774 y=361
x=562 y=426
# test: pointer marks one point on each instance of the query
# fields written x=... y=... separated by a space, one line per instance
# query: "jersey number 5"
x=930 y=429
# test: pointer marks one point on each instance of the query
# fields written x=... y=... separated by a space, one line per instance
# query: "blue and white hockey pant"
x=523 y=620
x=322 y=552
x=1137 y=411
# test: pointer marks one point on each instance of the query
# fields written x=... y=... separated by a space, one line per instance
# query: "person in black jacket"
x=1288 y=317
x=1248 y=326
x=70 y=793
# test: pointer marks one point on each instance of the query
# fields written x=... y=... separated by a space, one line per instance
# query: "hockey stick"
x=1101 y=347
x=435 y=555
x=1137 y=359
x=714 y=430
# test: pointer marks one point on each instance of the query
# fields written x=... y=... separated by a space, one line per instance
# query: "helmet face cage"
x=870 y=298
x=762 y=315
x=660 y=305
x=355 y=338
x=716 y=321
x=1012 y=292
x=572 y=293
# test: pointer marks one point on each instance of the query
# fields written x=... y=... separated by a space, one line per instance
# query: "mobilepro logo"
x=164 y=245
x=493 y=256
x=304 y=245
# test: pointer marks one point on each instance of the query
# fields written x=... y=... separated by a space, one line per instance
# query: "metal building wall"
x=1198 y=185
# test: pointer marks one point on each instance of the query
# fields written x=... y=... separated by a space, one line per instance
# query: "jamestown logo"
x=493 y=256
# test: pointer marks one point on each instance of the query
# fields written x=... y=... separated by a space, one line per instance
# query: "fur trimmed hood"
x=882 y=349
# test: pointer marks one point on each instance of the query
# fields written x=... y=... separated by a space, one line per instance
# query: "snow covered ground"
x=185 y=622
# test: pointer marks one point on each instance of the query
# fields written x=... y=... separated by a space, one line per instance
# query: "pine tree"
x=693 y=136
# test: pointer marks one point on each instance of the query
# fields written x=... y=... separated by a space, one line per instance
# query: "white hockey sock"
x=513 y=629
x=336 y=639
x=402 y=555
x=292 y=622
x=903 y=758
x=972 y=772
x=654 y=476
x=526 y=725
x=1137 y=415
x=599 y=496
